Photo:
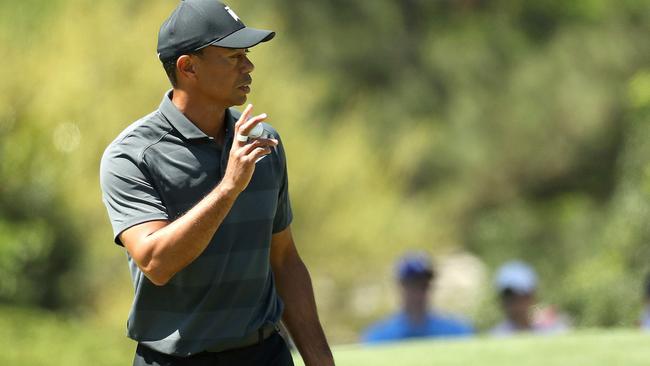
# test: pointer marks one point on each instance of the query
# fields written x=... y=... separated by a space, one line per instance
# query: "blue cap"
x=414 y=265
x=516 y=276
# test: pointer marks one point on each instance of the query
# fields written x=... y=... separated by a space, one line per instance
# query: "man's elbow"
x=152 y=265
x=158 y=280
x=157 y=274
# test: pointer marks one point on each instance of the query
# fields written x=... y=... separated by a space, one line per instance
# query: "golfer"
x=203 y=210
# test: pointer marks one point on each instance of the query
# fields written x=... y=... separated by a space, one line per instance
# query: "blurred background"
x=476 y=131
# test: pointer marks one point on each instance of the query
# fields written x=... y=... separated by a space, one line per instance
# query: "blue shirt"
x=398 y=327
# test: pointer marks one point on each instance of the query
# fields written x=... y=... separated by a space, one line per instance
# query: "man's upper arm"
x=128 y=193
x=282 y=247
x=283 y=214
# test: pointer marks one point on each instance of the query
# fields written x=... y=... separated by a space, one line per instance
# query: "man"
x=516 y=282
x=415 y=274
x=204 y=213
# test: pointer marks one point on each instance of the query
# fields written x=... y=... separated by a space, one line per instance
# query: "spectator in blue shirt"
x=415 y=319
x=516 y=282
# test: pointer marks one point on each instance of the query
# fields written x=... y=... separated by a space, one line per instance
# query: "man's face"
x=223 y=75
x=415 y=292
x=518 y=306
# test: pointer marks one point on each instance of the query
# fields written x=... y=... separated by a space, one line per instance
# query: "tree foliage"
x=501 y=128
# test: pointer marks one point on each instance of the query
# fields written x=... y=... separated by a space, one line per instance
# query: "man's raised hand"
x=244 y=154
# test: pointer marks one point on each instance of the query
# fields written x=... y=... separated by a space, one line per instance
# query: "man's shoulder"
x=450 y=324
x=385 y=329
x=138 y=136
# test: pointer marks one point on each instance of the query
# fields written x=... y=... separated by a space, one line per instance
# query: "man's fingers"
x=246 y=127
x=244 y=116
x=258 y=153
x=259 y=143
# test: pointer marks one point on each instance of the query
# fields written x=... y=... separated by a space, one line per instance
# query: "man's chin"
x=239 y=101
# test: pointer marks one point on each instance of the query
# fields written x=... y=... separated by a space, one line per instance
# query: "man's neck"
x=207 y=116
x=417 y=315
x=521 y=323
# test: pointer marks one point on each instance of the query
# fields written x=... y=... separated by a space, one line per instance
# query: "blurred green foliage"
x=31 y=337
x=503 y=128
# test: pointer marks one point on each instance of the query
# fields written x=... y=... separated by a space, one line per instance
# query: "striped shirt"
x=159 y=168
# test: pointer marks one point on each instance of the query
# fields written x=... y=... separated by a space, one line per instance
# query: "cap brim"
x=517 y=291
x=244 y=38
x=422 y=275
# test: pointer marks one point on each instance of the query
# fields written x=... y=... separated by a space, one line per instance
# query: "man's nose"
x=247 y=66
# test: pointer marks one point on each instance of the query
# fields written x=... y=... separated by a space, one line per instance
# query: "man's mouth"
x=246 y=81
x=246 y=86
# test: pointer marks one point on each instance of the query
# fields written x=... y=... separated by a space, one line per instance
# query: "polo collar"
x=231 y=118
x=186 y=127
x=178 y=119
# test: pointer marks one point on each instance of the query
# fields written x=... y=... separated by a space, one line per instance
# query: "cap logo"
x=232 y=13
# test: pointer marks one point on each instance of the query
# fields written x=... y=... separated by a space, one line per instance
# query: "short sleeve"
x=128 y=193
x=283 y=213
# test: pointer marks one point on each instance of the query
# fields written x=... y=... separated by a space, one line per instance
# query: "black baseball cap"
x=196 y=24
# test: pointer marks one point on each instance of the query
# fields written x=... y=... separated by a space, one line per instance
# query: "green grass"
x=37 y=338
x=592 y=348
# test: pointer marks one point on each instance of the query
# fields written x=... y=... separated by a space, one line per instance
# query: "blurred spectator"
x=415 y=275
x=645 y=313
x=516 y=282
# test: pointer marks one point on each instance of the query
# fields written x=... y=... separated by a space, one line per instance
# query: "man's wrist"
x=321 y=355
x=227 y=190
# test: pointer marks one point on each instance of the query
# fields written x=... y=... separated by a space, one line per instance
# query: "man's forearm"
x=176 y=245
x=300 y=314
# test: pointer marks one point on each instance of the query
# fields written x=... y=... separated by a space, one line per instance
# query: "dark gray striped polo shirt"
x=160 y=167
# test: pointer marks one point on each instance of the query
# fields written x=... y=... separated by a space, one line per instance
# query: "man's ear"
x=185 y=66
